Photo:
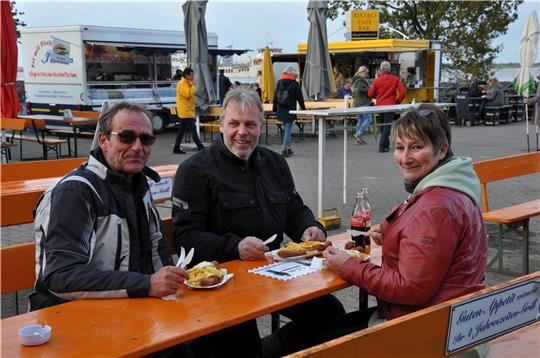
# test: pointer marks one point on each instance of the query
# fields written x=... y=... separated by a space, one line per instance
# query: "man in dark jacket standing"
x=224 y=85
x=230 y=197
x=387 y=89
x=101 y=216
x=288 y=92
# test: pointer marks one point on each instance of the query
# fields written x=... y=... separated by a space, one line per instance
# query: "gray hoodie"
x=457 y=174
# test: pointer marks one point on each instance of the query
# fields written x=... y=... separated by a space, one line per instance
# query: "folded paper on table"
x=285 y=270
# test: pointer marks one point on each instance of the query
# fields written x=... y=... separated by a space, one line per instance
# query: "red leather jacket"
x=384 y=89
x=434 y=249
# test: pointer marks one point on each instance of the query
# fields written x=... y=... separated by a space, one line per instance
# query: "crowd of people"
x=98 y=232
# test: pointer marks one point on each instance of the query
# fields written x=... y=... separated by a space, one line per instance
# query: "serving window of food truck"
x=416 y=62
x=118 y=72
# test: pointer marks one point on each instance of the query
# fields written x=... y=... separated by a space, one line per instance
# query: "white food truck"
x=80 y=67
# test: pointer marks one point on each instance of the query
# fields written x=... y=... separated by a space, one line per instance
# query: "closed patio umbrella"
x=268 y=81
x=197 y=51
x=318 y=78
x=524 y=82
x=8 y=76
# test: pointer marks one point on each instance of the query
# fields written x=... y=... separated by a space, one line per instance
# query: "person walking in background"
x=224 y=85
x=384 y=90
x=361 y=99
x=255 y=87
x=339 y=79
x=345 y=90
x=287 y=93
x=185 y=109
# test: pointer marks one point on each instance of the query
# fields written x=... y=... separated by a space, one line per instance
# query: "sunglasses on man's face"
x=128 y=137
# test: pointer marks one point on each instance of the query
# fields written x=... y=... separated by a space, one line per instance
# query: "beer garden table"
x=55 y=122
x=137 y=327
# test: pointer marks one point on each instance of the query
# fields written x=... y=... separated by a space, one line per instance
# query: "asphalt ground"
x=366 y=168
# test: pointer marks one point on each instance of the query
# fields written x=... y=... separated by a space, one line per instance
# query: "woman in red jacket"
x=434 y=243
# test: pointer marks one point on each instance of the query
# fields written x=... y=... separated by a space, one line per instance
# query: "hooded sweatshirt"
x=434 y=245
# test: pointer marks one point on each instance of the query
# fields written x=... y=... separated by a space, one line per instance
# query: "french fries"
x=205 y=274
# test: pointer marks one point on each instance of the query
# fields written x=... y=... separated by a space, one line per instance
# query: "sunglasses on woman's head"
x=128 y=137
x=423 y=113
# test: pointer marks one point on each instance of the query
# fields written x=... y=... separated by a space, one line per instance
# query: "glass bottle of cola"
x=361 y=220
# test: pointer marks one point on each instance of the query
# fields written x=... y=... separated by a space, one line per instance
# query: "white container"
x=35 y=334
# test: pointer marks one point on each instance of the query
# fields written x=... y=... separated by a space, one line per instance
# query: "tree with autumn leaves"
x=466 y=28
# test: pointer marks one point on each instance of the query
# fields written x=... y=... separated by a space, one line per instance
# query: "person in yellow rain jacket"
x=185 y=109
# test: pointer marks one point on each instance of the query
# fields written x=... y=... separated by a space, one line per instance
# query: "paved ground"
x=367 y=167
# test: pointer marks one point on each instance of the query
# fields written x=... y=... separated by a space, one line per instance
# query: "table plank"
x=135 y=327
x=24 y=194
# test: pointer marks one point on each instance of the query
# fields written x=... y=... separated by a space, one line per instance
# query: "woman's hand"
x=335 y=258
x=375 y=234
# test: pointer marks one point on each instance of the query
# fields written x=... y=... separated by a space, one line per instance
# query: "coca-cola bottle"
x=361 y=220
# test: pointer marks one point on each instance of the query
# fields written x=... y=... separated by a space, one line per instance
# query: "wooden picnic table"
x=136 y=327
x=17 y=196
x=77 y=124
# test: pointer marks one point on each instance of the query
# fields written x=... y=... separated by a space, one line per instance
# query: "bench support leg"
x=275 y=321
x=16 y=303
x=526 y=246
x=524 y=250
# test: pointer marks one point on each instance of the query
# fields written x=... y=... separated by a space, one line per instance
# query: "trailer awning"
x=227 y=51
x=385 y=45
x=167 y=47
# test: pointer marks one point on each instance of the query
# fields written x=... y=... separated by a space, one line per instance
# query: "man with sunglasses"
x=230 y=197
x=98 y=233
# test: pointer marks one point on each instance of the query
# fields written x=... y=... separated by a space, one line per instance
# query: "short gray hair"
x=385 y=65
x=105 y=119
x=243 y=97
x=290 y=70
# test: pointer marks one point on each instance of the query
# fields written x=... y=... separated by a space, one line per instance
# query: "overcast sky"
x=243 y=24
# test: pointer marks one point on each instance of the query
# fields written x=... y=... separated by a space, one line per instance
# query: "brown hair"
x=429 y=124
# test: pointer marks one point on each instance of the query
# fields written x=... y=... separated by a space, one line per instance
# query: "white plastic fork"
x=181 y=257
x=187 y=260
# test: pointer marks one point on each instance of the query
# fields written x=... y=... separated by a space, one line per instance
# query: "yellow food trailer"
x=416 y=62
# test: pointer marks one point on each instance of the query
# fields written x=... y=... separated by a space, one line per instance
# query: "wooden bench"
x=209 y=127
x=39 y=169
x=424 y=334
x=492 y=170
x=18 y=127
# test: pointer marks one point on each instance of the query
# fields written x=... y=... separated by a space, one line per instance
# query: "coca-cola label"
x=361 y=219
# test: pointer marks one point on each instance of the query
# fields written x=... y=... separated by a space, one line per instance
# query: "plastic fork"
x=187 y=260
x=181 y=257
